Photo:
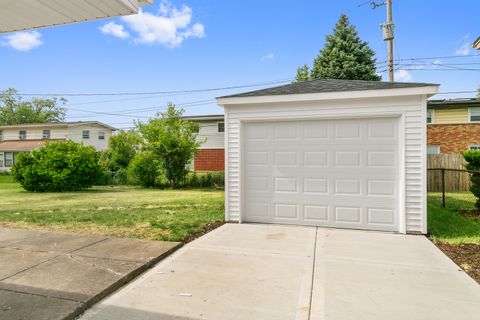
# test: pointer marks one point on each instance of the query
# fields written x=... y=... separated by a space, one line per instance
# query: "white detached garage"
x=333 y=153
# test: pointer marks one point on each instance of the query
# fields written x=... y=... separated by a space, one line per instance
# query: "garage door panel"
x=341 y=173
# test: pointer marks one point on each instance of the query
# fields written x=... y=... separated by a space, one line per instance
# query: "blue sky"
x=193 y=44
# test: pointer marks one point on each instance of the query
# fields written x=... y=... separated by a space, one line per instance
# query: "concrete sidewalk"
x=288 y=272
x=51 y=275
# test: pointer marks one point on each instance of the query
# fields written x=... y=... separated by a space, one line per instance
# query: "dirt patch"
x=467 y=256
x=209 y=227
x=470 y=213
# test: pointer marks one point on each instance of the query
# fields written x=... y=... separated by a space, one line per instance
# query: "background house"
x=211 y=156
x=453 y=126
x=27 y=137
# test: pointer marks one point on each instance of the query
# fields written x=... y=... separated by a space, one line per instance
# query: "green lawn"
x=117 y=211
x=447 y=225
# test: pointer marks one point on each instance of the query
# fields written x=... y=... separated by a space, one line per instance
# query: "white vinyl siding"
x=208 y=132
x=410 y=109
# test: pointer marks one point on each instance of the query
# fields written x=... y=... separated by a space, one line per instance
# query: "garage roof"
x=329 y=85
x=16 y=15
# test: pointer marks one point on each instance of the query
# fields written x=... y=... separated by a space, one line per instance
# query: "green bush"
x=144 y=169
x=57 y=167
x=214 y=179
x=473 y=163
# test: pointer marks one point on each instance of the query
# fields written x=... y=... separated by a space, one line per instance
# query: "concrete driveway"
x=287 y=272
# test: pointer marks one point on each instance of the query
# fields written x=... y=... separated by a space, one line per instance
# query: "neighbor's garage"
x=333 y=153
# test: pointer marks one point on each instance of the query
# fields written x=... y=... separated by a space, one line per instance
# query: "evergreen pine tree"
x=303 y=74
x=344 y=56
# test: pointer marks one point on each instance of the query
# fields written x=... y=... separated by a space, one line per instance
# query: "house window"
x=474 y=147
x=1 y=135
x=101 y=135
x=86 y=134
x=221 y=126
x=8 y=159
x=2 y=162
x=22 y=134
x=46 y=134
x=430 y=115
x=474 y=114
x=433 y=149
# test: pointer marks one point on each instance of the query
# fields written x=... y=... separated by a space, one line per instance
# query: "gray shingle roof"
x=328 y=85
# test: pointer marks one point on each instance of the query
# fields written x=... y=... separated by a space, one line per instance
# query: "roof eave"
x=428 y=91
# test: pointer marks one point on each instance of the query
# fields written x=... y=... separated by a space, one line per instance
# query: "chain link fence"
x=451 y=188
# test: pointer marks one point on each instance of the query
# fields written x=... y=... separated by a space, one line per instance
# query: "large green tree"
x=13 y=110
x=173 y=141
x=344 y=56
x=122 y=147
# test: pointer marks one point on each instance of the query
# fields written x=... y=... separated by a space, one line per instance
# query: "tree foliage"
x=472 y=157
x=173 y=141
x=13 y=110
x=57 y=167
x=344 y=56
x=145 y=170
x=122 y=147
x=303 y=74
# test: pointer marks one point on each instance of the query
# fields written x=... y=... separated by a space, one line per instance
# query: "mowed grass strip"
x=449 y=226
x=169 y=215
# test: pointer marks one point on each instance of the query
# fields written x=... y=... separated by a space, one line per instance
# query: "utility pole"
x=388 y=35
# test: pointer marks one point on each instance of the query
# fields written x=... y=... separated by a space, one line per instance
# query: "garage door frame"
x=340 y=116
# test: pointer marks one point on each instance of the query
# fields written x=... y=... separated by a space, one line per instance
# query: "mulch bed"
x=470 y=213
x=467 y=256
x=209 y=227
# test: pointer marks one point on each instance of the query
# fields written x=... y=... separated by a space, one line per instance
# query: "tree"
x=145 y=169
x=344 y=56
x=122 y=148
x=13 y=110
x=303 y=74
x=58 y=166
x=173 y=141
x=472 y=158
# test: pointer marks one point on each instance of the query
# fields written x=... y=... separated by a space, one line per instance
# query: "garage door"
x=338 y=173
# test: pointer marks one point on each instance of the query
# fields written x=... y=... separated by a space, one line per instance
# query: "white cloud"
x=466 y=48
x=269 y=56
x=403 y=76
x=114 y=29
x=169 y=27
x=23 y=40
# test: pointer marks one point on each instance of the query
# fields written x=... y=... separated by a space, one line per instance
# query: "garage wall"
x=411 y=108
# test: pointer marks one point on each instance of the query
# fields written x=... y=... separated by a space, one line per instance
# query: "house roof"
x=26 y=14
x=204 y=117
x=22 y=145
x=450 y=103
x=328 y=85
x=476 y=44
x=57 y=124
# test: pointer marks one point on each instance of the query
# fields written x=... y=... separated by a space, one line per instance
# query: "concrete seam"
x=313 y=273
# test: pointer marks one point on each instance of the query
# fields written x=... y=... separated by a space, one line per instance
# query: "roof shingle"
x=328 y=85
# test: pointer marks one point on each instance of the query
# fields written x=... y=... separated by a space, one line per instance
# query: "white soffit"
x=17 y=15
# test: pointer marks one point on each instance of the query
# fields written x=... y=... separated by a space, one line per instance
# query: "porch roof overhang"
x=17 y=15
x=21 y=145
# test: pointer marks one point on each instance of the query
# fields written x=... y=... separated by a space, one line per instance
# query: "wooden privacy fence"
x=455 y=181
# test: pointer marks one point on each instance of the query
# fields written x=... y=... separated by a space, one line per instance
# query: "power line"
x=156 y=92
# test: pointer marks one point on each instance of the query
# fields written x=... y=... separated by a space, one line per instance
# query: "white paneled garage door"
x=338 y=173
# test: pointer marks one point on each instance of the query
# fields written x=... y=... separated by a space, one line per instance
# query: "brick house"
x=211 y=156
x=453 y=126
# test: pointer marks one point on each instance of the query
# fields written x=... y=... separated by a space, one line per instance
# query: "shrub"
x=145 y=170
x=473 y=163
x=57 y=167
x=215 y=179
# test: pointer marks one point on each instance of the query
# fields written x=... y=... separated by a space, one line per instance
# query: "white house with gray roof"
x=28 y=137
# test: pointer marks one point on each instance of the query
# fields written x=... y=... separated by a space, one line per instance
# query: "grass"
x=170 y=215
x=447 y=225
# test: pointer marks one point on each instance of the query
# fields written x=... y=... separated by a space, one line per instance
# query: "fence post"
x=443 y=187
